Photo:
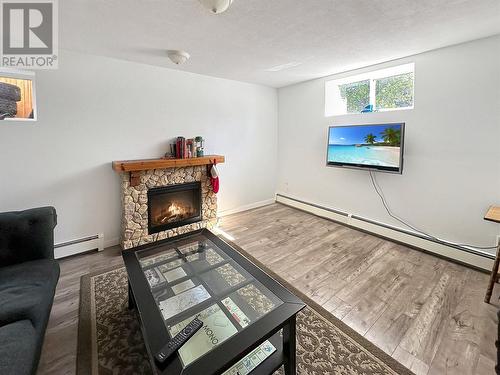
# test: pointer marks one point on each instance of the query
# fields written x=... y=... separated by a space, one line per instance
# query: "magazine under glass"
x=195 y=278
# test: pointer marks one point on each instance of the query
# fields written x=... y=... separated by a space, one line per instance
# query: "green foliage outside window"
x=390 y=92
x=394 y=92
x=356 y=94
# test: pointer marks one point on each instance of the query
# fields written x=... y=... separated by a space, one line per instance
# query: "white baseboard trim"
x=462 y=255
x=246 y=207
x=81 y=245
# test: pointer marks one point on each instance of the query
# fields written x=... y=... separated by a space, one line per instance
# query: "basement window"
x=377 y=91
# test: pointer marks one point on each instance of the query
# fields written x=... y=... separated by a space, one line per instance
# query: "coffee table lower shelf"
x=274 y=361
x=271 y=363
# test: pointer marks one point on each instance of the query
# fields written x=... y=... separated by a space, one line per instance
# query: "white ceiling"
x=308 y=38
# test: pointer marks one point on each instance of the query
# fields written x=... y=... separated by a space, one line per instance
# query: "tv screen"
x=376 y=146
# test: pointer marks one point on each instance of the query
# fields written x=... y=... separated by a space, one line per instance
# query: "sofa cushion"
x=17 y=348
x=27 y=291
x=27 y=235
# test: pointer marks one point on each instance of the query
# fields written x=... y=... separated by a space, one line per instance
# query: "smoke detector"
x=178 y=57
x=216 y=6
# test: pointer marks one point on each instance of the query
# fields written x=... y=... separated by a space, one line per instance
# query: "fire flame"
x=176 y=211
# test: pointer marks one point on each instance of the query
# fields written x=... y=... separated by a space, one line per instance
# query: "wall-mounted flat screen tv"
x=376 y=146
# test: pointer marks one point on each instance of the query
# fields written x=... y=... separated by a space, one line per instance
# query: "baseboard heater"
x=472 y=257
x=78 y=246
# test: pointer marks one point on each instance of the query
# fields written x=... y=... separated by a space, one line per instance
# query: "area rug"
x=110 y=339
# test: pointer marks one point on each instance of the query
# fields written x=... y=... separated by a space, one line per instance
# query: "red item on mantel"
x=214 y=177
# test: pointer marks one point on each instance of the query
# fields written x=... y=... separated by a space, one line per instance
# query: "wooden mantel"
x=147 y=164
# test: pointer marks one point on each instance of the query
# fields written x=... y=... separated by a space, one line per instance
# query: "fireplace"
x=173 y=206
x=138 y=177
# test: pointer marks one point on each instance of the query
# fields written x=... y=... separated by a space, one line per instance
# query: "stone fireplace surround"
x=135 y=202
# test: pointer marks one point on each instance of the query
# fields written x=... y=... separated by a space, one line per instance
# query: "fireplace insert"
x=173 y=206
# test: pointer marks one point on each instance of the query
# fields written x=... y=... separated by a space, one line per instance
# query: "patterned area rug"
x=110 y=340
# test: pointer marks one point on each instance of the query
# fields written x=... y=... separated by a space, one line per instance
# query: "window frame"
x=332 y=88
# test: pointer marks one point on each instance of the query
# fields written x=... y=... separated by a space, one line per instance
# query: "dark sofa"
x=28 y=278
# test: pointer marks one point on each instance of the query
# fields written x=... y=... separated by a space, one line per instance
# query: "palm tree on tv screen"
x=391 y=136
x=370 y=138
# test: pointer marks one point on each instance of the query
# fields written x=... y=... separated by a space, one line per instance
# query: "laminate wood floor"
x=426 y=312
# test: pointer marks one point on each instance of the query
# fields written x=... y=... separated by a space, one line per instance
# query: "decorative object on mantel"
x=180 y=146
x=186 y=148
x=493 y=214
x=190 y=151
x=200 y=144
x=170 y=154
x=214 y=177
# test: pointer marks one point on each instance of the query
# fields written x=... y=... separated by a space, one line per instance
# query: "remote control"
x=178 y=340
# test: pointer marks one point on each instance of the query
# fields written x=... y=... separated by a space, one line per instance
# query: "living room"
x=328 y=191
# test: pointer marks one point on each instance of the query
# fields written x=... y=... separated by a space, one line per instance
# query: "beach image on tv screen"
x=370 y=145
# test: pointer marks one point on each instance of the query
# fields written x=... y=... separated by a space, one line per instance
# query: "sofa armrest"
x=27 y=235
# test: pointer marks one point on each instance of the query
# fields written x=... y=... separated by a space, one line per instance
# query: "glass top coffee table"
x=248 y=318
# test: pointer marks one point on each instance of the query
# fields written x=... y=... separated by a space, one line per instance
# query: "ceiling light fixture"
x=178 y=57
x=216 y=6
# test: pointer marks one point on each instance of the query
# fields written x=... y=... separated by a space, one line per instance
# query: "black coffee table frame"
x=237 y=346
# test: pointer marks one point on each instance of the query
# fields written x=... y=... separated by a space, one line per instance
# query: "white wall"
x=94 y=110
x=452 y=156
